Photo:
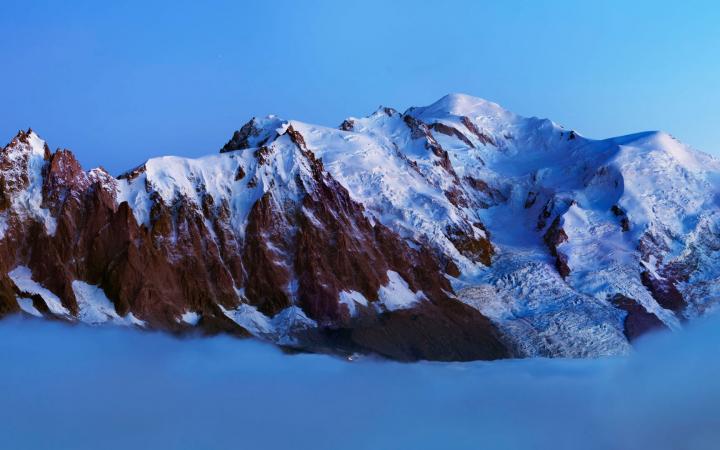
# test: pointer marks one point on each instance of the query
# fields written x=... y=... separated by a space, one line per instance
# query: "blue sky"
x=118 y=83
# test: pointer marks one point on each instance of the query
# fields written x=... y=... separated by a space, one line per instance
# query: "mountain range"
x=456 y=231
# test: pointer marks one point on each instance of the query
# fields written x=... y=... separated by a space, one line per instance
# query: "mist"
x=77 y=387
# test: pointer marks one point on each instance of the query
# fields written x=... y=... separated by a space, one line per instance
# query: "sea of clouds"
x=76 y=387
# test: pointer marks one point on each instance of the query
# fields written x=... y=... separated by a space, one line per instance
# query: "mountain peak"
x=462 y=105
x=386 y=110
x=256 y=132
x=396 y=227
x=29 y=142
x=455 y=99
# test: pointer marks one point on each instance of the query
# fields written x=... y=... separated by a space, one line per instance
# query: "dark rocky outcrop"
x=419 y=130
x=477 y=249
x=239 y=139
x=99 y=241
x=489 y=196
x=555 y=236
x=620 y=213
x=452 y=269
x=451 y=131
x=347 y=125
x=447 y=331
x=188 y=257
x=239 y=173
x=664 y=291
x=482 y=137
x=638 y=320
x=531 y=199
x=251 y=135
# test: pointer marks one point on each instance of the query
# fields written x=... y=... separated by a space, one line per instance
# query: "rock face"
x=186 y=266
x=638 y=321
x=456 y=231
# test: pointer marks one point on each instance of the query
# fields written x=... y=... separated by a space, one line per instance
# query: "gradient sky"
x=118 y=83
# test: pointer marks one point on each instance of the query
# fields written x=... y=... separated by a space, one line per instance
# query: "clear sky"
x=118 y=83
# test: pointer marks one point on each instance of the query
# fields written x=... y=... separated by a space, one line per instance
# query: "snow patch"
x=288 y=322
x=397 y=294
x=190 y=318
x=95 y=308
x=280 y=329
x=26 y=304
x=22 y=277
x=351 y=299
x=248 y=317
x=3 y=225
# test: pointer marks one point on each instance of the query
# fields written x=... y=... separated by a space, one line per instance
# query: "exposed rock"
x=345 y=242
x=477 y=249
x=545 y=214
x=561 y=264
x=638 y=320
x=555 y=236
x=492 y=196
x=456 y=197
x=239 y=173
x=63 y=177
x=239 y=140
x=14 y=167
x=262 y=154
x=347 y=125
x=482 y=137
x=419 y=130
x=452 y=269
x=134 y=173
x=664 y=292
x=389 y=111
x=451 y=131
x=447 y=331
x=624 y=221
x=531 y=199
x=8 y=295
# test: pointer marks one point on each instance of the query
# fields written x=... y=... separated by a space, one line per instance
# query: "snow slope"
x=570 y=222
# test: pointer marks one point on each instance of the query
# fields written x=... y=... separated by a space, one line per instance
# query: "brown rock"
x=555 y=236
x=347 y=125
x=482 y=137
x=474 y=248
x=638 y=320
x=451 y=131
x=664 y=292
x=452 y=269
x=624 y=221
x=189 y=258
x=239 y=140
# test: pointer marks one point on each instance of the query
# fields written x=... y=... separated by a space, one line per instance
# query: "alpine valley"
x=456 y=231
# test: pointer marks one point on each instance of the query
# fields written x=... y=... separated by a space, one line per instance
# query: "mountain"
x=456 y=231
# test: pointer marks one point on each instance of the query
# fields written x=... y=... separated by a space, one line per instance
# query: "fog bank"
x=73 y=387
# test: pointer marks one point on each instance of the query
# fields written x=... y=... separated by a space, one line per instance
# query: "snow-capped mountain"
x=455 y=231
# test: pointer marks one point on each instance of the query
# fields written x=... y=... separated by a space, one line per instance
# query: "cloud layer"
x=88 y=388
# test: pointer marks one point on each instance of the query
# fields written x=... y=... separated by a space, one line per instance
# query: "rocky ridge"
x=456 y=231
